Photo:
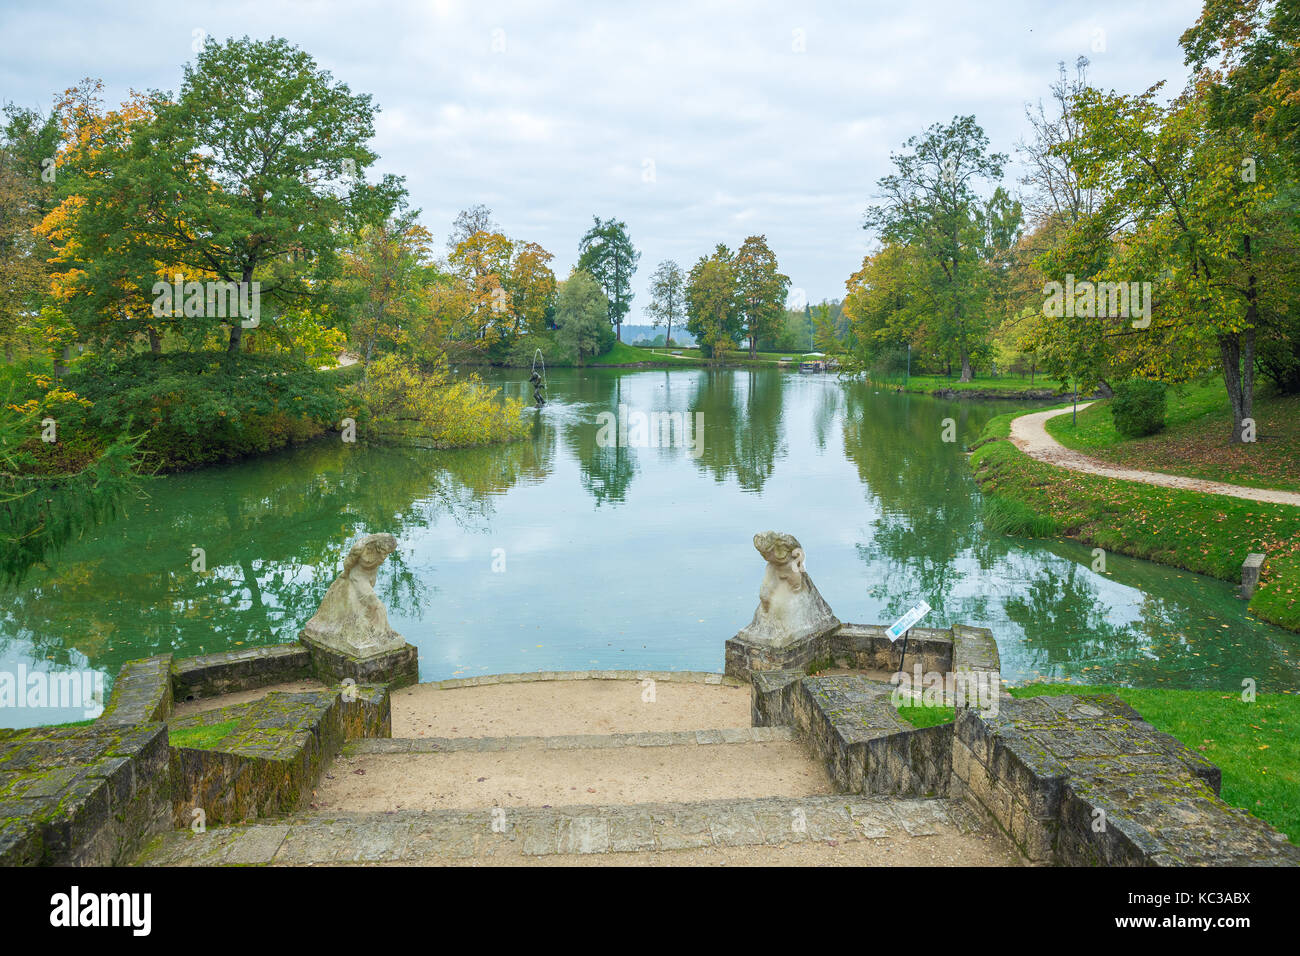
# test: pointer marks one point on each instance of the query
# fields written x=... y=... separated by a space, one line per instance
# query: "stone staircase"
x=721 y=795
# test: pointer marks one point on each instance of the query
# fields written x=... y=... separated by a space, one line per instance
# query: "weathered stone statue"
x=789 y=605
x=352 y=619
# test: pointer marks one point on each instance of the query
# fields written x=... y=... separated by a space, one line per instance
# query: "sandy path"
x=561 y=707
x=519 y=778
x=1029 y=435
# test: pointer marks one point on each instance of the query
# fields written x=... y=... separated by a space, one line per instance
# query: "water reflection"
x=618 y=556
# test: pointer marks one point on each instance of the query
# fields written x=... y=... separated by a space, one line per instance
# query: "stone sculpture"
x=789 y=605
x=351 y=618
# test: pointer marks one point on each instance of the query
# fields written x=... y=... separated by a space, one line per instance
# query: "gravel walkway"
x=1029 y=435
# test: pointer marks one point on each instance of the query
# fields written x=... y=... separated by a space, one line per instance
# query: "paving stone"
x=255 y=845
x=684 y=828
x=430 y=836
x=586 y=834
x=632 y=831
x=922 y=817
x=735 y=827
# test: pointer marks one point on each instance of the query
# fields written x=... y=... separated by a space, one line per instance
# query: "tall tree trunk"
x=1239 y=378
x=155 y=343
x=668 y=339
x=966 y=374
x=236 y=327
x=61 y=362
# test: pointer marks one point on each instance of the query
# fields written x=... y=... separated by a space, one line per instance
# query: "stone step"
x=661 y=766
x=671 y=738
x=504 y=834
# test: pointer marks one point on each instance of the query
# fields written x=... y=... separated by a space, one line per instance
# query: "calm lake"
x=556 y=553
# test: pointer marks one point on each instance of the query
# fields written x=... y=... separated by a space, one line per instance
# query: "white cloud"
x=746 y=134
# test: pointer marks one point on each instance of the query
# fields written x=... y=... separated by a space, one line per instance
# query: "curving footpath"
x=1029 y=435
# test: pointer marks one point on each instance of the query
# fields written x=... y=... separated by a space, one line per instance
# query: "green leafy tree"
x=28 y=143
x=667 y=297
x=929 y=203
x=713 y=311
x=761 y=289
x=255 y=171
x=1217 y=242
x=606 y=253
x=582 y=317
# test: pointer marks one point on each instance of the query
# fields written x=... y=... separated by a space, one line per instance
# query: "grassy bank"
x=1208 y=534
x=623 y=354
x=1194 y=441
x=1006 y=387
x=1256 y=744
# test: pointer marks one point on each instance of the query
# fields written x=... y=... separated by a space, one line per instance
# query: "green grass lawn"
x=921 y=716
x=203 y=737
x=1208 y=534
x=1194 y=442
x=1256 y=745
x=624 y=354
x=1006 y=383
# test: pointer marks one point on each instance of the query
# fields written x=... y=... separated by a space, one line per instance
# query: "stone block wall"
x=271 y=761
x=211 y=675
x=868 y=647
x=82 y=796
x=1085 y=781
x=852 y=726
x=398 y=669
x=142 y=693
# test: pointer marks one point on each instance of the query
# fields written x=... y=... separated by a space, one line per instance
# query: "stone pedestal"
x=1250 y=570
x=397 y=668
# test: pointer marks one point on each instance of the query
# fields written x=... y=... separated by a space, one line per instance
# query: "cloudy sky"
x=696 y=123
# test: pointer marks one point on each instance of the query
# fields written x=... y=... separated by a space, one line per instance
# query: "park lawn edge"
x=1204 y=533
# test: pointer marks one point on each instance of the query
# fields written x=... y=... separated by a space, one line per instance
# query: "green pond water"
x=559 y=553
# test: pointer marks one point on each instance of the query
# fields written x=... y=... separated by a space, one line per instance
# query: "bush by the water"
x=398 y=402
x=195 y=408
x=1138 y=407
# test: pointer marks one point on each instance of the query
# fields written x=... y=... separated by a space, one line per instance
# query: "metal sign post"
x=903 y=628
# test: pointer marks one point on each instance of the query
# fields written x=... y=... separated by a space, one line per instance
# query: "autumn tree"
x=1189 y=218
x=530 y=289
x=387 y=272
x=477 y=218
x=109 y=251
x=481 y=263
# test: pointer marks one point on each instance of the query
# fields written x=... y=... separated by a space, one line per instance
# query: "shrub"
x=200 y=407
x=1138 y=407
x=399 y=403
